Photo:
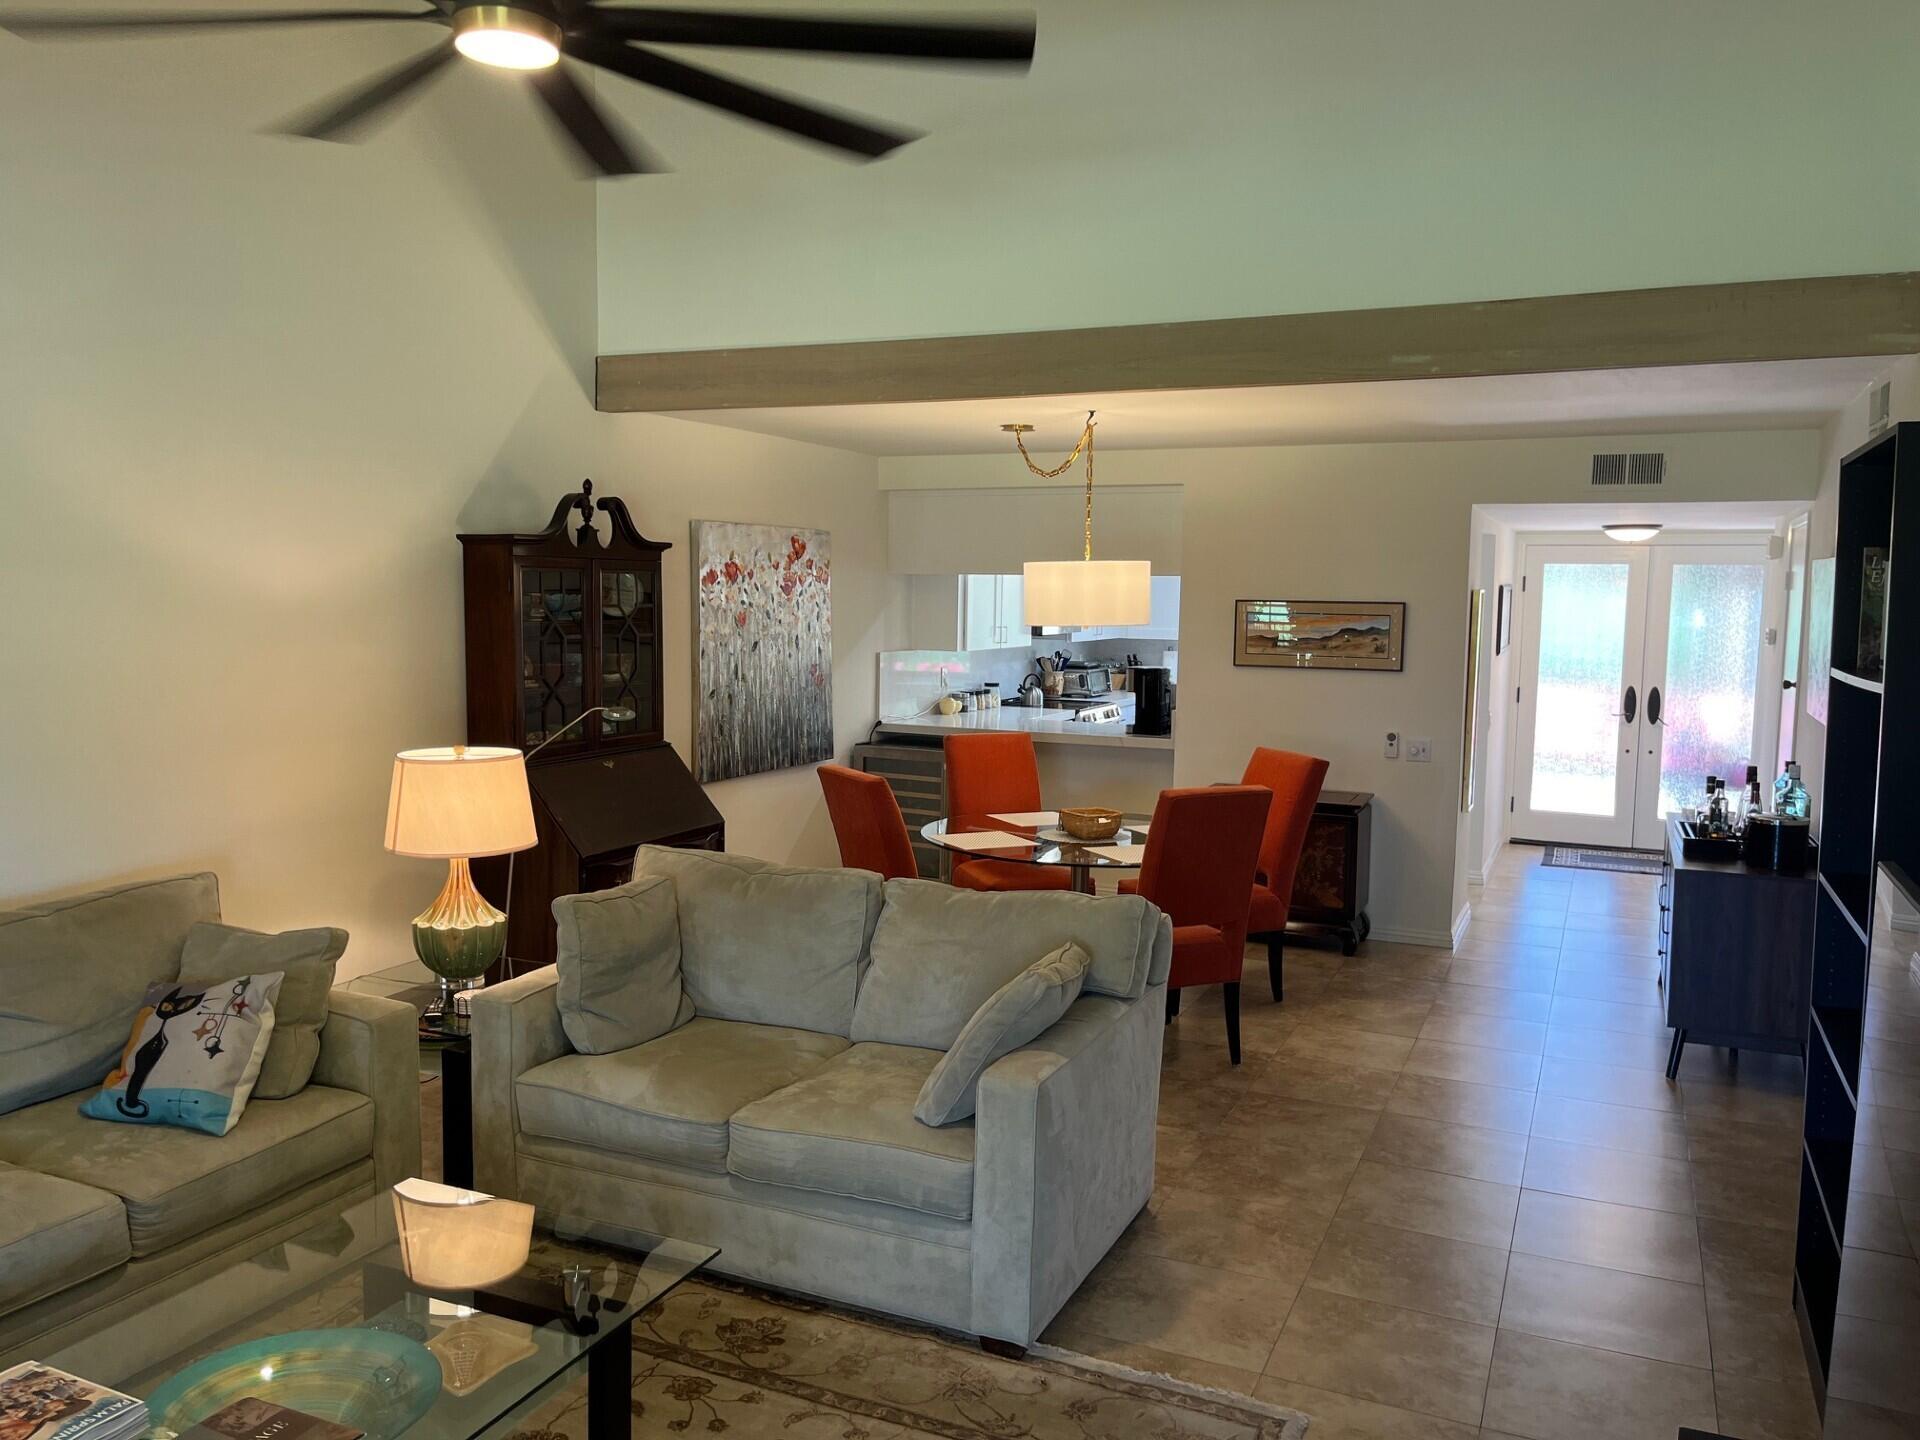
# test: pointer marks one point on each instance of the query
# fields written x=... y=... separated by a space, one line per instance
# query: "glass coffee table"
x=327 y=1322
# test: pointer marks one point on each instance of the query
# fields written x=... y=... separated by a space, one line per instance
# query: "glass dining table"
x=1035 y=838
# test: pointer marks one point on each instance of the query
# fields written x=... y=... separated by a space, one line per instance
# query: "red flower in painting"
x=733 y=571
x=740 y=619
x=796 y=547
x=788 y=584
x=711 y=577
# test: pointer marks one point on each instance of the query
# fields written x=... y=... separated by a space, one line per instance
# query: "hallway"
x=1450 y=1195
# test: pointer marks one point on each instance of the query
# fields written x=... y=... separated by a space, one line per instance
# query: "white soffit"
x=1780 y=395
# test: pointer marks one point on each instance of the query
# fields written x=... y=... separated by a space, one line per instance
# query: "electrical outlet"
x=1393 y=744
x=1419 y=751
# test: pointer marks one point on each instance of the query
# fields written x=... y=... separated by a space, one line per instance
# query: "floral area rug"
x=717 y=1358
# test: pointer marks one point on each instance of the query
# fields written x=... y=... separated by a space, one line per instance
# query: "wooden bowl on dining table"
x=1091 y=822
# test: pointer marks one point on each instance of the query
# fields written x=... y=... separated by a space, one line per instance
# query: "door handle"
x=1653 y=705
x=1629 y=705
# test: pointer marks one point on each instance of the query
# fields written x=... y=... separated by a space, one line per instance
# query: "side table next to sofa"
x=446 y=1052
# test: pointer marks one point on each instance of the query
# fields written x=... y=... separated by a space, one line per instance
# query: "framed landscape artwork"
x=1320 y=634
x=763 y=681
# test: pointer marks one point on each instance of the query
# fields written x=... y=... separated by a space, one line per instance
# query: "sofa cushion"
x=54 y=1233
x=618 y=961
x=177 y=1183
x=939 y=953
x=72 y=975
x=306 y=960
x=669 y=1099
x=849 y=1130
x=768 y=944
x=1014 y=1015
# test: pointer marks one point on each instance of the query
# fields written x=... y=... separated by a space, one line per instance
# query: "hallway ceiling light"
x=1086 y=591
x=1631 y=534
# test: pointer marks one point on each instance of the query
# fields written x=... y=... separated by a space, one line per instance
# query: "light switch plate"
x=1419 y=751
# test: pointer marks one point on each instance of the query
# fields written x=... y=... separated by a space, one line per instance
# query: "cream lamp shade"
x=1088 y=592
x=459 y=802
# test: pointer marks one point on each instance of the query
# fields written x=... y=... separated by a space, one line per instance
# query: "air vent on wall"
x=1621 y=469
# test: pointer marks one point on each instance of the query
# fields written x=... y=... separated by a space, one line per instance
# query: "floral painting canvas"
x=763 y=684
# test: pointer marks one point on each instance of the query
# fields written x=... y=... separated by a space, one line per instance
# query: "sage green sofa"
x=98 y=1218
x=801 y=1011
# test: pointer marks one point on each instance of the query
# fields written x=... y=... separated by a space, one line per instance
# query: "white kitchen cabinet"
x=993 y=612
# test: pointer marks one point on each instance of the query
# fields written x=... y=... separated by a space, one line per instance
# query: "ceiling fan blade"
x=1007 y=42
x=588 y=127
x=750 y=102
x=58 y=24
x=333 y=117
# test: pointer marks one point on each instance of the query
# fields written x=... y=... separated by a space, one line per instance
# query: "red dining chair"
x=989 y=773
x=1202 y=851
x=867 y=823
x=1295 y=781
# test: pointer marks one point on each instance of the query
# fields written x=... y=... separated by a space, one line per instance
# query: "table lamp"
x=459 y=803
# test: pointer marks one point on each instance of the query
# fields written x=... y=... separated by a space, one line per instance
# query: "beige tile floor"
x=1454 y=1195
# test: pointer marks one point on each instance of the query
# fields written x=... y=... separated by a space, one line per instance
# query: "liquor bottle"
x=1716 y=806
x=1750 y=802
x=1796 y=802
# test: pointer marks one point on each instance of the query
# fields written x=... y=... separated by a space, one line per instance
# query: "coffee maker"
x=1152 y=699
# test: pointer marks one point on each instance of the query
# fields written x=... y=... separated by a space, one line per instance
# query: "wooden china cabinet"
x=560 y=622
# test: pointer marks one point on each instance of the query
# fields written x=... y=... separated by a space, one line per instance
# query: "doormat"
x=1631 y=862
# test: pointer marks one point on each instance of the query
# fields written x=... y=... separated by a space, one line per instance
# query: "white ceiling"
x=1784 y=395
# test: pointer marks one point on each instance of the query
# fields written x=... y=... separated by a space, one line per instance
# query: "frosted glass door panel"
x=1576 y=756
x=1712 y=676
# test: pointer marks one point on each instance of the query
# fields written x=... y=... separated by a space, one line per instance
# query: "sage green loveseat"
x=98 y=1218
x=774 y=1118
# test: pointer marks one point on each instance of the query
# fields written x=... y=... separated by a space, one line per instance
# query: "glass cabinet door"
x=553 y=650
x=628 y=620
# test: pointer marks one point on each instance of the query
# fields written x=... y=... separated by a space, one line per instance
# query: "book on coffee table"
x=38 y=1402
x=251 y=1418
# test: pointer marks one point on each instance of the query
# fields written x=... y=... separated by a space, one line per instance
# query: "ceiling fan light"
x=1631 y=534
x=507 y=37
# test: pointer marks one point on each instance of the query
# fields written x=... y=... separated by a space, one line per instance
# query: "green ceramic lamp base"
x=460 y=935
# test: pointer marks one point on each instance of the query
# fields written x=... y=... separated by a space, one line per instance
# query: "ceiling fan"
x=534 y=35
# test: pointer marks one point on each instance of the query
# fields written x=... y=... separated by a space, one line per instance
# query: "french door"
x=1641 y=671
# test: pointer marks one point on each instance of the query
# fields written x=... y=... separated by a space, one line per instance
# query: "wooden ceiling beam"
x=1817 y=318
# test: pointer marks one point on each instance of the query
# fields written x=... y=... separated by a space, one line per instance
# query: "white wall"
x=252 y=388
x=1372 y=522
x=965 y=515
x=1242 y=157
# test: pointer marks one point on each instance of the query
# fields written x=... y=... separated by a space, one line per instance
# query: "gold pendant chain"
x=1082 y=446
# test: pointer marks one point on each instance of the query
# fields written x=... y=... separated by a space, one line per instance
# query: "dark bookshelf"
x=1869 y=836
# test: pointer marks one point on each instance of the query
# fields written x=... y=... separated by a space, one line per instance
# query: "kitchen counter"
x=1047 y=727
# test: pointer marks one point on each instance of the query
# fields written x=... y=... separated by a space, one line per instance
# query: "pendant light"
x=1083 y=592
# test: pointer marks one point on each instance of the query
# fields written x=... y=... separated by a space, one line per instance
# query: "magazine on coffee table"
x=38 y=1402
x=251 y=1418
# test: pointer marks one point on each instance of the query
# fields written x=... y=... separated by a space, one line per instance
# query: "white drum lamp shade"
x=1088 y=592
x=459 y=802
